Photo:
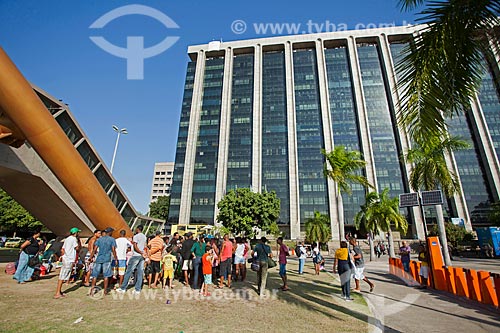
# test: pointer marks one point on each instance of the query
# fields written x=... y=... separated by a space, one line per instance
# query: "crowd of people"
x=202 y=263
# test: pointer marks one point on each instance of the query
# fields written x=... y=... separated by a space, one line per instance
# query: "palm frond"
x=442 y=69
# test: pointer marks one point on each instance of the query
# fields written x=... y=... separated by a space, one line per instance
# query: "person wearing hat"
x=102 y=263
x=260 y=253
x=69 y=258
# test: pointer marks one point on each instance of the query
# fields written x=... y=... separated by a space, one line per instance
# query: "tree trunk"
x=372 y=250
x=340 y=210
x=442 y=235
x=392 y=253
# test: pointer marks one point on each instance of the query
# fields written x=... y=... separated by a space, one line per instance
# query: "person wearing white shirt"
x=69 y=258
x=122 y=245
x=302 y=258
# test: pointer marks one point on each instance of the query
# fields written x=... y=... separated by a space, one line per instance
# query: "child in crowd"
x=207 y=261
x=168 y=267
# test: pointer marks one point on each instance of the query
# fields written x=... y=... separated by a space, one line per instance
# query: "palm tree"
x=363 y=218
x=318 y=228
x=441 y=71
x=378 y=214
x=344 y=168
x=430 y=172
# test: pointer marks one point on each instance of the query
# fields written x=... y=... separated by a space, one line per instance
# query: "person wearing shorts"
x=168 y=267
x=122 y=246
x=226 y=264
x=88 y=263
x=69 y=258
x=187 y=263
x=206 y=264
x=359 y=266
x=102 y=264
x=239 y=258
x=156 y=246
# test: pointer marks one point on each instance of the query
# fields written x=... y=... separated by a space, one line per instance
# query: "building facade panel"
x=262 y=121
x=274 y=149
x=206 y=158
x=180 y=155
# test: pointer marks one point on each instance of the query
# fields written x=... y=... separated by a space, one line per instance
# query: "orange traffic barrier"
x=496 y=282
x=391 y=266
x=473 y=285
x=436 y=263
x=488 y=295
x=462 y=288
x=399 y=268
x=450 y=279
x=415 y=265
x=414 y=270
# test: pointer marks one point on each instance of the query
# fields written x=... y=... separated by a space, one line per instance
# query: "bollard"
x=462 y=288
x=415 y=269
x=488 y=295
x=450 y=279
x=496 y=281
x=399 y=268
x=473 y=284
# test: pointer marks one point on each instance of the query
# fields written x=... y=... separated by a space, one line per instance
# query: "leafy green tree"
x=379 y=213
x=243 y=212
x=159 y=208
x=441 y=70
x=494 y=216
x=13 y=217
x=455 y=234
x=344 y=168
x=318 y=229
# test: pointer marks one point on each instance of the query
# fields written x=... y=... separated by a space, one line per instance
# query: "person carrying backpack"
x=301 y=252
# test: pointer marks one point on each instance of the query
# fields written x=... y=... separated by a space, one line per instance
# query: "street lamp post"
x=118 y=131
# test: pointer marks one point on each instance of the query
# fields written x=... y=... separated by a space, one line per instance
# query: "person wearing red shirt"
x=226 y=256
x=206 y=263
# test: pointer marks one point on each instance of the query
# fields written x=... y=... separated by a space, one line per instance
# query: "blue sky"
x=49 y=42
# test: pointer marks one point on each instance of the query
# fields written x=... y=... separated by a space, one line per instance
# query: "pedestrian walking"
x=359 y=265
x=261 y=252
x=342 y=266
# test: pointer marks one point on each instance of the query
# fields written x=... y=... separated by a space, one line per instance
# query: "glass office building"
x=257 y=113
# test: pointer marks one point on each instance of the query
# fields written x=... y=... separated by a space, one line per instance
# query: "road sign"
x=432 y=198
x=408 y=199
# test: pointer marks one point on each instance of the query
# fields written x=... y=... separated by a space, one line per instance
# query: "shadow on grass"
x=319 y=292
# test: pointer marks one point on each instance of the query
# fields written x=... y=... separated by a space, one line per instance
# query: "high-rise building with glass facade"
x=257 y=113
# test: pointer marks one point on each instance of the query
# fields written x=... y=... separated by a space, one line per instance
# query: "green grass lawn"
x=313 y=303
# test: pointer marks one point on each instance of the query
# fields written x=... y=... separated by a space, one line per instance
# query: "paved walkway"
x=398 y=308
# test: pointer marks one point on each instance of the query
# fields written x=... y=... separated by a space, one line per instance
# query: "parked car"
x=13 y=242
